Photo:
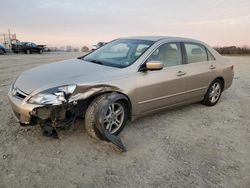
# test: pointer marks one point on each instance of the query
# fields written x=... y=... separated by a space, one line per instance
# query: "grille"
x=19 y=94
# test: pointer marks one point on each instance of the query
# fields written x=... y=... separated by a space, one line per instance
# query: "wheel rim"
x=28 y=52
x=114 y=117
x=214 y=93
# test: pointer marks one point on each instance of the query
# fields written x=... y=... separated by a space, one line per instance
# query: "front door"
x=185 y=77
x=166 y=87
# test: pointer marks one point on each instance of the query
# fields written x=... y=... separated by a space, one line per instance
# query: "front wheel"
x=213 y=93
x=116 y=114
x=40 y=51
x=28 y=52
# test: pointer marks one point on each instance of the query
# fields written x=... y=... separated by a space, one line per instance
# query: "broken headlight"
x=54 y=96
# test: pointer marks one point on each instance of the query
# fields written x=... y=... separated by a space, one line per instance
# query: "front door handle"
x=180 y=73
x=212 y=67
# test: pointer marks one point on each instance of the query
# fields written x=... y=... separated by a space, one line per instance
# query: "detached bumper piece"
x=50 y=131
x=102 y=133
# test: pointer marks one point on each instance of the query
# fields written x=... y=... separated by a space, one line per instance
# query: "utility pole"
x=4 y=39
x=10 y=46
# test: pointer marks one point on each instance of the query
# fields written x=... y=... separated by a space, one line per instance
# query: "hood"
x=71 y=71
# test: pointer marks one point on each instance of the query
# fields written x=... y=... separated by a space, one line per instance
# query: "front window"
x=119 y=53
x=169 y=54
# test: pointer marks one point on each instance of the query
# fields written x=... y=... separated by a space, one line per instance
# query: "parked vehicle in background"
x=47 y=49
x=2 y=49
x=27 y=47
x=125 y=79
x=98 y=45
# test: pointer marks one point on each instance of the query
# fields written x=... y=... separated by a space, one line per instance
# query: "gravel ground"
x=193 y=146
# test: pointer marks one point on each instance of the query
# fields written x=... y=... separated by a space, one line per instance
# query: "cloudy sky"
x=85 y=22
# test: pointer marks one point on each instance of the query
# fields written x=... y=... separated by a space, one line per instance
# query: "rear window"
x=195 y=53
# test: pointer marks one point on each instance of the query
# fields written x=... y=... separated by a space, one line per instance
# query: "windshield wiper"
x=96 y=61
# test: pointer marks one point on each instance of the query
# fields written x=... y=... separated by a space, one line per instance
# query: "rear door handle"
x=212 y=67
x=180 y=73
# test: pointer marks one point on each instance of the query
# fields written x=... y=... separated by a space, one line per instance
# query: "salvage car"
x=127 y=78
x=27 y=47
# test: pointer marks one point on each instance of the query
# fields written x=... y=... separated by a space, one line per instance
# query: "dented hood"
x=71 y=71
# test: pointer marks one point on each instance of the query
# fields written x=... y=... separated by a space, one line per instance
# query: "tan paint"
x=147 y=91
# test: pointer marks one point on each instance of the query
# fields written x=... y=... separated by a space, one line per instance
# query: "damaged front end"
x=51 y=118
x=55 y=111
x=57 y=108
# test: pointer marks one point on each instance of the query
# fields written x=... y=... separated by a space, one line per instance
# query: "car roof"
x=152 y=38
x=157 y=38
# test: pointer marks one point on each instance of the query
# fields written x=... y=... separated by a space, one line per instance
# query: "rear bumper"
x=229 y=76
x=21 y=109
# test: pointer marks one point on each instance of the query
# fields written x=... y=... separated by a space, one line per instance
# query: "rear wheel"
x=40 y=51
x=213 y=93
x=115 y=118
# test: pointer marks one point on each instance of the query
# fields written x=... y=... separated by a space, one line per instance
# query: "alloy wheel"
x=214 y=93
x=114 y=117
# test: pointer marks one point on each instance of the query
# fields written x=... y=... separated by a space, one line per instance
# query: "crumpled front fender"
x=84 y=93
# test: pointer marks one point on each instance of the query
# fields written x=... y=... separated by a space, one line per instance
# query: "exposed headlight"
x=54 y=96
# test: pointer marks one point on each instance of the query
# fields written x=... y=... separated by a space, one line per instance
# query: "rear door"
x=28 y=46
x=199 y=69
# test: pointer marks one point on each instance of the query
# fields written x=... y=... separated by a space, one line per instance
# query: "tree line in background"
x=233 y=50
x=227 y=50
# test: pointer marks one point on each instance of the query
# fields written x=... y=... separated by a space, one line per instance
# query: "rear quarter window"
x=210 y=56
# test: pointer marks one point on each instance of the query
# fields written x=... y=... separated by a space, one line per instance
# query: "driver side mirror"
x=154 y=65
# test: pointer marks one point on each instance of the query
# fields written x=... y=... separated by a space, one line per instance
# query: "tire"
x=28 y=52
x=1 y=52
x=213 y=95
x=97 y=104
x=40 y=51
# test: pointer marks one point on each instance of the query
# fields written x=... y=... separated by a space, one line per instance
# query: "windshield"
x=119 y=53
x=20 y=43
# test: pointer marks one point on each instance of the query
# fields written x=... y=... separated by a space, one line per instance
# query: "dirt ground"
x=193 y=146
